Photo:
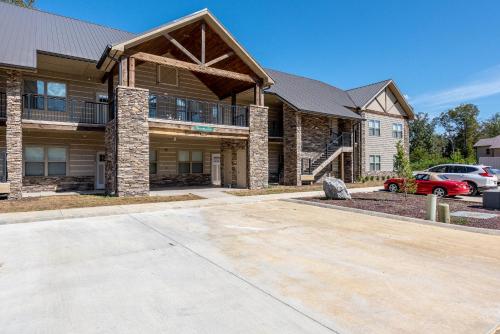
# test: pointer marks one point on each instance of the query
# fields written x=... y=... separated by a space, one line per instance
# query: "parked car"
x=431 y=183
x=479 y=177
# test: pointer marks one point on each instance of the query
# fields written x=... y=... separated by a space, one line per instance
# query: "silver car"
x=478 y=177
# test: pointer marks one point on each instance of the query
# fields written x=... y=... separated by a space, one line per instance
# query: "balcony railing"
x=3 y=105
x=47 y=108
x=188 y=110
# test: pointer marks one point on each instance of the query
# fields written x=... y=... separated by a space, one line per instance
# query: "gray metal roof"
x=362 y=95
x=23 y=32
x=489 y=142
x=311 y=95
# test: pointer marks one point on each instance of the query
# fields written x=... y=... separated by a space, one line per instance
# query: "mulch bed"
x=413 y=206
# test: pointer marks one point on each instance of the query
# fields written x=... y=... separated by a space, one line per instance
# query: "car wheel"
x=473 y=191
x=393 y=187
x=439 y=192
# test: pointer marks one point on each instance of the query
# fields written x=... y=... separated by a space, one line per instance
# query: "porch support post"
x=258 y=94
x=14 y=134
x=292 y=146
x=258 y=147
x=131 y=72
x=123 y=72
x=132 y=141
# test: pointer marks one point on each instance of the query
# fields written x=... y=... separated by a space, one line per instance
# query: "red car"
x=431 y=183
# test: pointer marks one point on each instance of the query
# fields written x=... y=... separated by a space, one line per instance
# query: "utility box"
x=491 y=199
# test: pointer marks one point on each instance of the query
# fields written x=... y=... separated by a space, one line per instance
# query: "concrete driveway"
x=263 y=267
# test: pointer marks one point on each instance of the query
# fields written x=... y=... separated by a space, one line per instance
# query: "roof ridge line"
x=371 y=84
x=67 y=17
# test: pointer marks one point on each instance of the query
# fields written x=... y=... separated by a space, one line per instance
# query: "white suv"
x=478 y=177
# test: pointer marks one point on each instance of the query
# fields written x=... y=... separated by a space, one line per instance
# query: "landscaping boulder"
x=335 y=189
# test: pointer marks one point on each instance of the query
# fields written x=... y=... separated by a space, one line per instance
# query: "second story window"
x=45 y=95
x=397 y=130
x=373 y=128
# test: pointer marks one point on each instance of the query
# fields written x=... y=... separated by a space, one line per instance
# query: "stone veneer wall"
x=14 y=134
x=132 y=135
x=315 y=134
x=292 y=145
x=161 y=181
x=110 y=151
x=58 y=183
x=233 y=146
x=258 y=149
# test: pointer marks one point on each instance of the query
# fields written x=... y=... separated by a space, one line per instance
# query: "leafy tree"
x=491 y=126
x=403 y=170
x=21 y=3
x=461 y=128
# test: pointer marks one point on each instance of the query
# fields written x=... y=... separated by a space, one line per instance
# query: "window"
x=373 y=128
x=422 y=177
x=438 y=169
x=153 y=162
x=397 y=130
x=102 y=98
x=45 y=161
x=374 y=163
x=45 y=95
x=167 y=75
x=488 y=151
x=181 y=109
x=190 y=162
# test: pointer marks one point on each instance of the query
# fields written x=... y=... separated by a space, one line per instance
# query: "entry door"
x=100 y=177
x=241 y=169
x=228 y=170
x=216 y=169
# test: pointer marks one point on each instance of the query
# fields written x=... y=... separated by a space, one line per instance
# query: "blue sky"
x=440 y=53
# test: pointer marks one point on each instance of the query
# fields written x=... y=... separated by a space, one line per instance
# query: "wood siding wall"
x=167 y=152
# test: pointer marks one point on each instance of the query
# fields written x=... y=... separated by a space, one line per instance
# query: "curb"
x=396 y=217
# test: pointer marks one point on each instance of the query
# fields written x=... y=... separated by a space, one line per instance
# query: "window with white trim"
x=374 y=163
x=45 y=95
x=190 y=162
x=45 y=161
x=373 y=128
x=397 y=130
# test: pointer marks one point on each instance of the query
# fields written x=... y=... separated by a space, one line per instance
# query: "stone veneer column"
x=258 y=157
x=110 y=151
x=14 y=135
x=292 y=146
x=132 y=141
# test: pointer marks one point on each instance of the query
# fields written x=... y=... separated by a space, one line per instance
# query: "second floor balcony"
x=57 y=109
x=188 y=110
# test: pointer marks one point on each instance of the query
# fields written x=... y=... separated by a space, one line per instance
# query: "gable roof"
x=203 y=15
x=489 y=142
x=24 y=32
x=364 y=94
x=311 y=95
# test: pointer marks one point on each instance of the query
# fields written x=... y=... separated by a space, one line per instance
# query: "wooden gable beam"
x=203 y=43
x=142 y=56
x=183 y=49
x=218 y=59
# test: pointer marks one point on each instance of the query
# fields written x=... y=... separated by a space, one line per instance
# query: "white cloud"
x=485 y=83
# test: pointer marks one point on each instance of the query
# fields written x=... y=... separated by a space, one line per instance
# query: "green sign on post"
x=203 y=128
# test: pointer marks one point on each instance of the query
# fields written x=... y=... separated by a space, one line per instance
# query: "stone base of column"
x=258 y=148
x=132 y=136
x=14 y=135
x=292 y=146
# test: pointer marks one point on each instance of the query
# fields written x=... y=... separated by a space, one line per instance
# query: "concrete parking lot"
x=263 y=267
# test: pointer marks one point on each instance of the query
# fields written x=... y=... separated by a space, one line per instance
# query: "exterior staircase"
x=337 y=145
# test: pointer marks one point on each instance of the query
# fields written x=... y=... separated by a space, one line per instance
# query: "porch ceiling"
x=189 y=37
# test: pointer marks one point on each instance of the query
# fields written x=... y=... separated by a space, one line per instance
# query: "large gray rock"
x=335 y=189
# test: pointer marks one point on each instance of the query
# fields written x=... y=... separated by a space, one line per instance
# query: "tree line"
x=459 y=129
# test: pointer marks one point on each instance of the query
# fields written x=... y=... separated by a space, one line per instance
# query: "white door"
x=216 y=169
x=100 y=175
x=241 y=169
